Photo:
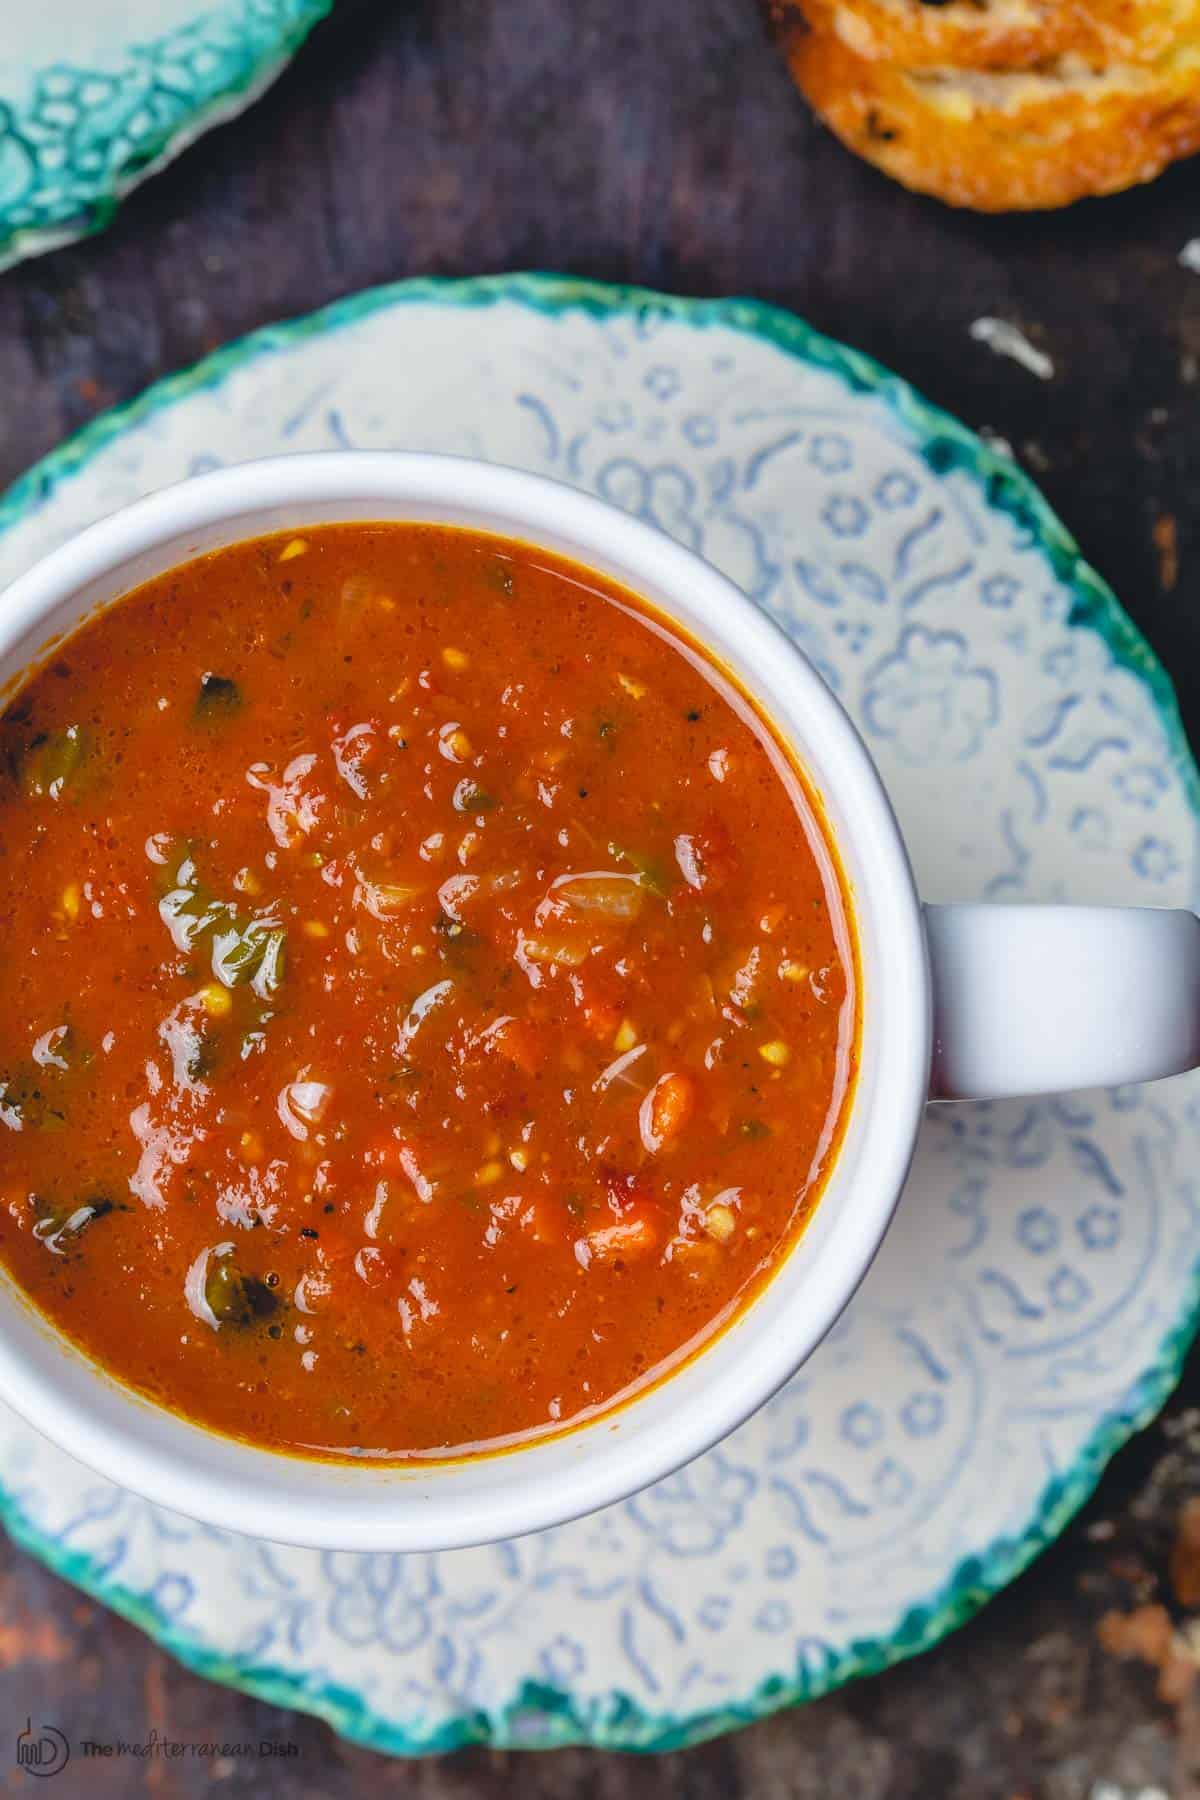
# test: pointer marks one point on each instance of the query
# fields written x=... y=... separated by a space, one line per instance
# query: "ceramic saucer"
x=1039 y=1287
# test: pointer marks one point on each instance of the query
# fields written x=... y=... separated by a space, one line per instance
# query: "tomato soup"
x=429 y=998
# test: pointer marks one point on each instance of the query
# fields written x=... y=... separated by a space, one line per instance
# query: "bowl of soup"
x=465 y=1005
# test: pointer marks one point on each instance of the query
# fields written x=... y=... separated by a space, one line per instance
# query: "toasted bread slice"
x=959 y=34
x=1000 y=34
x=1008 y=140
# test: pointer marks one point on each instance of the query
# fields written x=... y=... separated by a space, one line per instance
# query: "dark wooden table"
x=660 y=142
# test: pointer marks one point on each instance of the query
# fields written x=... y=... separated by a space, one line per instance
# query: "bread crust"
x=1000 y=34
x=1009 y=138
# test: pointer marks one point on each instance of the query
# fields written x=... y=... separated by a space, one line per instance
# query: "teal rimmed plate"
x=1039 y=1288
x=97 y=94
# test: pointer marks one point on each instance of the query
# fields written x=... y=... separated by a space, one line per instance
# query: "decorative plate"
x=97 y=94
x=1039 y=1287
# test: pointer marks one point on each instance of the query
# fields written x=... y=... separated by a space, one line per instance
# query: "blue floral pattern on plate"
x=1035 y=1296
x=97 y=94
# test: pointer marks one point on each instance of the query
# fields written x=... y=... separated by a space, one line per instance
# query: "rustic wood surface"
x=649 y=141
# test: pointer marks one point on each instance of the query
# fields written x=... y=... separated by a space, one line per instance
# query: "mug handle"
x=1043 y=999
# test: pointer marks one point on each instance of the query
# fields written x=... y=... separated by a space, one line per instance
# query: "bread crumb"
x=1005 y=339
x=1184 y=1566
x=1166 y=541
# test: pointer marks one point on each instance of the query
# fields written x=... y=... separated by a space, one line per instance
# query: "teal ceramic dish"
x=1039 y=1288
x=97 y=94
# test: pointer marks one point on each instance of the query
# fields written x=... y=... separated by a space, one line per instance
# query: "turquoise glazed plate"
x=97 y=94
x=1039 y=1287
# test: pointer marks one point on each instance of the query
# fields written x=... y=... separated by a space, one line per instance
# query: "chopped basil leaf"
x=219 y=698
x=27 y=1101
x=652 y=873
x=61 y=1224
x=51 y=762
x=469 y=797
x=245 y=951
x=235 y=1298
